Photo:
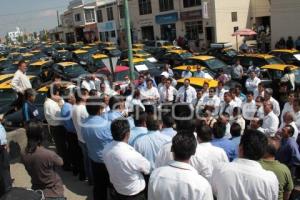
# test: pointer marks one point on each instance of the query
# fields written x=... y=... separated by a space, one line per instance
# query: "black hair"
x=250 y=92
x=219 y=129
x=21 y=62
x=237 y=110
x=168 y=120
x=291 y=130
x=29 y=93
x=53 y=90
x=140 y=119
x=238 y=85
x=93 y=105
x=93 y=92
x=204 y=133
x=235 y=130
x=119 y=128
x=152 y=123
x=79 y=93
x=35 y=136
x=183 y=146
x=187 y=125
x=271 y=148
x=254 y=144
x=114 y=102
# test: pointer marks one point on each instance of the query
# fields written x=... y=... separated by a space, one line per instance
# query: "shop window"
x=77 y=17
x=193 y=29
x=145 y=7
x=165 y=5
x=99 y=16
x=191 y=3
x=110 y=13
x=234 y=17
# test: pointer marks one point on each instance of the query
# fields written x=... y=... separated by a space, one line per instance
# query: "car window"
x=186 y=55
x=276 y=74
x=258 y=62
x=264 y=74
x=191 y=62
x=245 y=61
x=74 y=69
x=215 y=63
x=274 y=60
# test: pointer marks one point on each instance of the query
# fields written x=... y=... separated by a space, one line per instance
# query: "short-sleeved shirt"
x=283 y=175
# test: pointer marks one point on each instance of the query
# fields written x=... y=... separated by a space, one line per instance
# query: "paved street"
x=74 y=189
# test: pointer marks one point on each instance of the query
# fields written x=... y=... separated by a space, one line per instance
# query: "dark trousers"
x=5 y=178
x=117 y=196
x=101 y=181
x=76 y=157
x=59 y=135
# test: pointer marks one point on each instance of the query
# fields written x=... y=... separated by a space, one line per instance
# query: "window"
x=121 y=11
x=110 y=14
x=234 y=17
x=113 y=34
x=99 y=16
x=191 y=3
x=77 y=17
x=165 y=5
x=89 y=15
x=193 y=29
x=145 y=7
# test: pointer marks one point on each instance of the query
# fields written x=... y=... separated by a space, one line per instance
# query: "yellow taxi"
x=5 y=77
x=198 y=83
x=40 y=68
x=94 y=63
x=178 y=70
x=258 y=60
x=68 y=70
x=141 y=65
x=175 y=57
x=288 y=56
x=138 y=46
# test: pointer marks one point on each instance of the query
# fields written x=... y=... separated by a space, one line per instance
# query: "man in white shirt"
x=252 y=82
x=296 y=108
x=52 y=110
x=91 y=82
x=149 y=94
x=248 y=107
x=288 y=106
x=270 y=121
x=288 y=119
x=212 y=102
x=259 y=91
x=79 y=113
x=187 y=73
x=124 y=165
x=237 y=100
x=20 y=83
x=268 y=97
x=167 y=92
x=244 y=178
x=228 y=105
x=220 y=91
x=179 y=180
x=186 y=93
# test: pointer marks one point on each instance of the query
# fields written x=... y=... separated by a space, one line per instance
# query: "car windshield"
x=83 y=56
x=274 y=60
x=67 y=53
x=186 y=55
x=33 y=69
x=231 y=53
x=6 y=96
x=214 y=63
x=74 y=69
x=98 y=62
x=297 y=56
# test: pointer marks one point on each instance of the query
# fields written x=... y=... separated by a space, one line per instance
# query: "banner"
x=205 y=10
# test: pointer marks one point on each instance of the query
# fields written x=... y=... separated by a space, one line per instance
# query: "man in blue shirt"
x=235 y=131
x=139 y=129
x=288 y=152
x=116 y=105
x=96 y=133
x=29 y=110
x=219 y=141
x=74 y=150
x=187 y=73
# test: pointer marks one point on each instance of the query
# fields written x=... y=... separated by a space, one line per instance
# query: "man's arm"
x=15 y=83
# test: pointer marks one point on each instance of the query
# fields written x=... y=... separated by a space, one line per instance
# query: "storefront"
x=167 y=24
x=90 y=33
x=193 y=24
x=108 y=31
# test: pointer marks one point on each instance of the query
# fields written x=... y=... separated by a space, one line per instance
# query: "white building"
x=14 y=35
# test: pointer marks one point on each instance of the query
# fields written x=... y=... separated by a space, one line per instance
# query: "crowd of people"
x=153 y=141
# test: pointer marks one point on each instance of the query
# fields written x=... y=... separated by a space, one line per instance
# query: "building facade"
x=284 y=20
x=13 y=35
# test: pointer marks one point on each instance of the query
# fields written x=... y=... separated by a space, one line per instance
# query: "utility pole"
x=129 y=42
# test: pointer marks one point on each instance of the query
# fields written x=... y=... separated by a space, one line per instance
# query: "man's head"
x=268 y=93
x=198 y=68
x=30 y=95
x=168 y=82
x=288 y=117
x=188 y=68
x=186 y=82
x=167 y=120
x=120 y=130
x=219 y=129
x=94 y=106
x=268 y=107
x=237 y=62
x=296 y=105
x=22 y=66
x=220 y=85
x=149 y=83
x=140 y=118
x=287 y=131
x=260 y=87
x=227 y=97
x=259 y=101
x=250 y=96
x=252 y=74
x=204 y=133
x=237 y=111
x=81 y=95
x=199 y=94
x=255 y=123
x=183 y=146
x=205 y=86
x=235 y=130
x=224 y=118
x=211 y=92
x=153 y=124
x=272 y=147
x=253 y=145
x=291 y=97
x=238 y=89
x=116 y=102
x=102 y=87
x=233 y=92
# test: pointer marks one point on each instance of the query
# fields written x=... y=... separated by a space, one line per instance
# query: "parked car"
x=223 y=51
x=41 y=69
x=178 y=70
x=62 y=56
x=288 y=56
x=69 y=71
x=94 y=62
x=175 y=57
x=258 y=60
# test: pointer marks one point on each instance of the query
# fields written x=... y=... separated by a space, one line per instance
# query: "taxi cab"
x=213 y=64
x=258 y=60
x=198 y=83
x=40 y=68
x=5 y=77
x=94 y=62
x=175 y=57
x=142 y=65
x=81 y=56
x=14 y=56
x=223 y=51
x=288 y=56
x=138 y=46
x=106 y=44
x=62 y=56
x=138 y=53
x=68 y=70
x=178 y=70
x=111 y=51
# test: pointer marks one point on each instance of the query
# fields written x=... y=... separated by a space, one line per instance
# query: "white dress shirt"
x=244 y=179
x=270 y=124
x=212 y=101
x=248 y=110
x=130 y=103
x=293 y=124
x=191 y=94
x=201 y=165
x=220 y=93
x=202 y=74
x=178 y=181
x=286 y=108
x=251 y=84
x=170 y=132
x=52 y=112
x=256 y=93
x=79 y=113
x=20 y=82
x=88 y=84
x=228 y=109
x=151 y=93
x=167 y=94
x=260 y=112
x=125 y=167
x=276 y=107
x=237 y=101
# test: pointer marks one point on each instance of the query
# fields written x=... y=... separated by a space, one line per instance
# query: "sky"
x=30 y=15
